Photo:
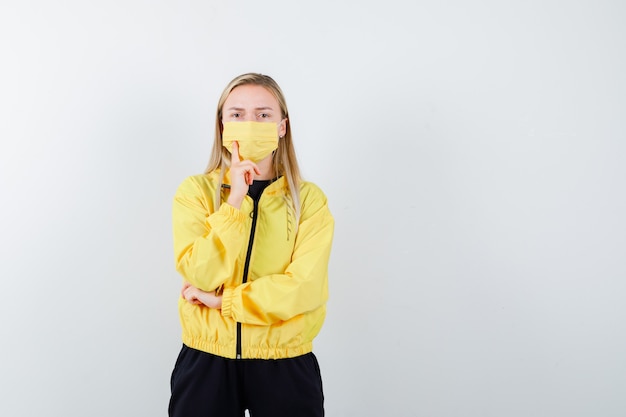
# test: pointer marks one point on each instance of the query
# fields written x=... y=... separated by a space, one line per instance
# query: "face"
x=253 y=103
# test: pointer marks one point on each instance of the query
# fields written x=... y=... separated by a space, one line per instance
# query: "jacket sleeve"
x=303 y=287
x=206 y=242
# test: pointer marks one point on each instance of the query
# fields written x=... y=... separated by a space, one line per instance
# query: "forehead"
x=251 y=96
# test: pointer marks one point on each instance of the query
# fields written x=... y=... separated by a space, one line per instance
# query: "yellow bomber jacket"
x=282 y=305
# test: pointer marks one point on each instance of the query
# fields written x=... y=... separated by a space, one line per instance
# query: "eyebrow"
x=257 y=108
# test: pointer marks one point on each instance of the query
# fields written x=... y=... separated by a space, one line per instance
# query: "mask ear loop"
x=275 y=163
x=282 y=136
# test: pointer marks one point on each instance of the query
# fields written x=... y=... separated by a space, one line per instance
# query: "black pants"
x=205 y=385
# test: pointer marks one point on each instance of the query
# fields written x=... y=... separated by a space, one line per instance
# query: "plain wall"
x=473 y=154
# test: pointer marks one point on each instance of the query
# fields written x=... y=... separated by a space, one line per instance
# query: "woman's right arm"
x=207 y=242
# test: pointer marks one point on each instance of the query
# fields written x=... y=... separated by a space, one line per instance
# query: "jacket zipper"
x=246 y=266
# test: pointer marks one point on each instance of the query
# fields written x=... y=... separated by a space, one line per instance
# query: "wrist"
x=235 y=201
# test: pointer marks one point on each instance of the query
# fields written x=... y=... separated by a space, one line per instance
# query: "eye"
x=264 y=115
x=235 y=115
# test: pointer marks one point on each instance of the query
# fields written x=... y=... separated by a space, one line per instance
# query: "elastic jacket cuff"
x=227 y=302
x=232 y=213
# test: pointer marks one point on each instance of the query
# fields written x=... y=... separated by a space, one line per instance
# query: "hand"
x=242 y=173
x=196 y=296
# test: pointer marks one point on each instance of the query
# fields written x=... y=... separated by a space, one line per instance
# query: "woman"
x=252 y=242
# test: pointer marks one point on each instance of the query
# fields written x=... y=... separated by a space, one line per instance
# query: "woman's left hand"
x=196 y=296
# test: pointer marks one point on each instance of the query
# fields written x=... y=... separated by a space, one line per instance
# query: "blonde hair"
x=284 y=159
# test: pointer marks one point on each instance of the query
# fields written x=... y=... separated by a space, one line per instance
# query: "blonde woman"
x=252 y=242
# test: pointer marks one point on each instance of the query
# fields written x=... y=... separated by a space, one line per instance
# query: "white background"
x=473 y=153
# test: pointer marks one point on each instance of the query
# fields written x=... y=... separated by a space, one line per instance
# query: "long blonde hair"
x=284 y=160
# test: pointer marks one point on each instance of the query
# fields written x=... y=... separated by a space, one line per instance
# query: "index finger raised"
x=235 y=152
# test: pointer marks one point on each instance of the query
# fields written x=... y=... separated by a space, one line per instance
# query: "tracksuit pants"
x=206 y=385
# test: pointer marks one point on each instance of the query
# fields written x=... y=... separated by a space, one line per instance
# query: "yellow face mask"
x=256 y=139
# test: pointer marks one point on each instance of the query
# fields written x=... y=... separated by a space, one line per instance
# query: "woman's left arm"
x=303 y=287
